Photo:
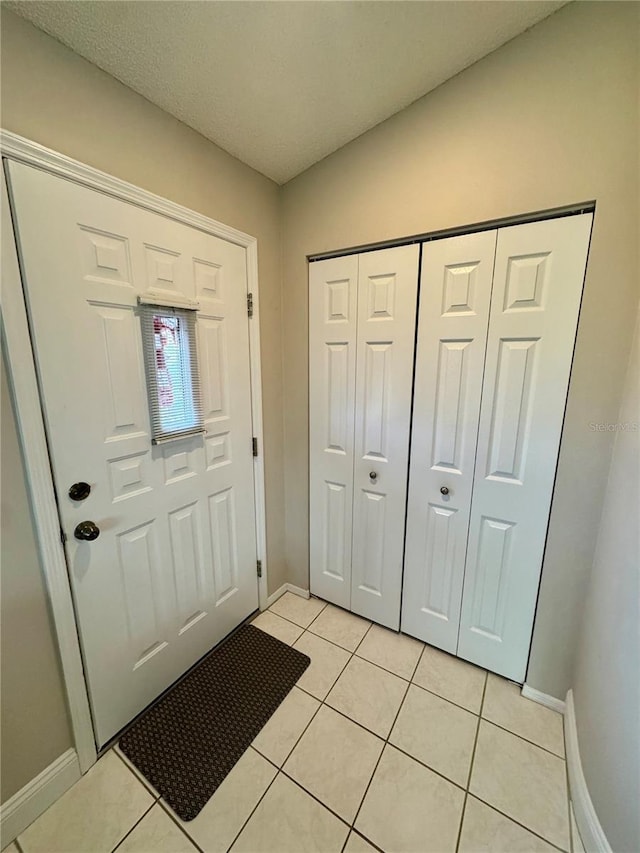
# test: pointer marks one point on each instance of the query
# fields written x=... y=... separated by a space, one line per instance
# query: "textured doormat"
x=187 y=743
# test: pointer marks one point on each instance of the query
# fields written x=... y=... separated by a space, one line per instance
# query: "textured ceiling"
x=280 y=85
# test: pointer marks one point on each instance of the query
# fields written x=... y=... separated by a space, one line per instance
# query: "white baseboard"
x=543 y=699
x=287 y=587
x=589 y=827
x=37 y=795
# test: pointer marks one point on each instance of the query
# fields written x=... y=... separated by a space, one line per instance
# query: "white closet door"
x=333 y=292
x=387 y=292
x=534 y=313
x=455 y=292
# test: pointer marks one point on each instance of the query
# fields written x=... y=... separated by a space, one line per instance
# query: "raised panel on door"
x=332 y=365
x=167 y=578
x=537 y=289
x=455 y=292
x=387 y=292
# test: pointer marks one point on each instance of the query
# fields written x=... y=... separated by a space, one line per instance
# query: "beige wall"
x=549 y=119
x=606 y=687
x=53 y=96
x=35 y=725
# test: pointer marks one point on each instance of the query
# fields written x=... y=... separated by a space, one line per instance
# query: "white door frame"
x=31 y=428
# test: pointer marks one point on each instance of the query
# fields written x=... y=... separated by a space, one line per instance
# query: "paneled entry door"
x=173 y=568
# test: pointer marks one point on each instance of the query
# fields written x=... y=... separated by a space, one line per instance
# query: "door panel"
x=537 y=288
x=454 y=309
x=173 y=570
x=387 y=293
x=332 y=373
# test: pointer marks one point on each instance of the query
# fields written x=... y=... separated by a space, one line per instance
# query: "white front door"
x=387 y=294
x=173 y=569
x=455 y=293
x=537 y=286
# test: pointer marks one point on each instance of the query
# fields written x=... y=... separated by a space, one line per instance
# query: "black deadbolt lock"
x=79 y=491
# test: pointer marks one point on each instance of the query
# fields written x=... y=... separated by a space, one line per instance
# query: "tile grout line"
x=517 y=822
x=473 y=755
x=386 y=743
x=166 y=808
x=526 y=740
x=128 y=833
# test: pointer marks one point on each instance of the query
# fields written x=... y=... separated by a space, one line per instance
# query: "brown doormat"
x=187 y=743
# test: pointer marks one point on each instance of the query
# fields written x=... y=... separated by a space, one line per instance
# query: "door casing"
x=31 y=429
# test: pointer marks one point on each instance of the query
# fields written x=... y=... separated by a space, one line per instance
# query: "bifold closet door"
x=455 y=293
x=361 y=338
x=333 y=295
x=387 y=294
x=539 y=273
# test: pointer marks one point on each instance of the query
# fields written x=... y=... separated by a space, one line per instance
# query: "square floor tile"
x=357 y=844
x=296 y=609
x=437 y=733
x=484 y=830
x=222 y=818
x=334 y=761
x=395 y=652
x=327 y=662
x=95 y=814
x=339 y=627
x=524 y=782
x=369 y=695
x=158 y=833
x=409 y=808
x=288 y=820
x=505 y=705
x=453 y=679
x=278 y=737
x=278 y=627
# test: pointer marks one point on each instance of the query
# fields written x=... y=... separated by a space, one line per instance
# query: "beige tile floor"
x=384 y=744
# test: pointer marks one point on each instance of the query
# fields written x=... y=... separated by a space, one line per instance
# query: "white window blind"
x=171 y=365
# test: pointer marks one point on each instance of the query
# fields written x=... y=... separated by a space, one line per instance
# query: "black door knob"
x=79 y=491
x=444 y=490
x=373 y=476
x=87 y=530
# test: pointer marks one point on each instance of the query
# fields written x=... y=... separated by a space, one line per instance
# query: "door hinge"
x=63 y=536
x=254 y=446
x=250 y=304
x=259 y=567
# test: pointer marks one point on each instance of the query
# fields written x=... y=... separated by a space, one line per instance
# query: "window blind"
x=171 y=367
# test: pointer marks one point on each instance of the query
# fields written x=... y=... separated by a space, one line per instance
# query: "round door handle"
x=373 y=476
x=87 y=530
x=444 y=490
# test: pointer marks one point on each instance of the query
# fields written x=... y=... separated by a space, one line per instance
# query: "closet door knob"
x=373 y=476
x=444 y=490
